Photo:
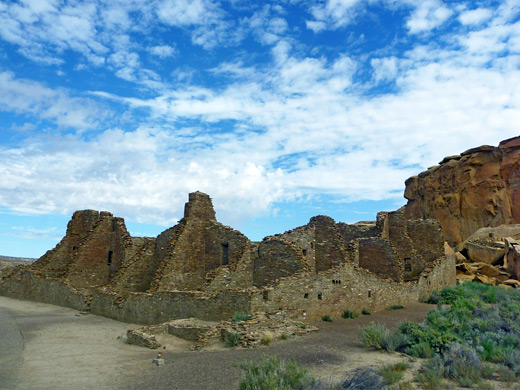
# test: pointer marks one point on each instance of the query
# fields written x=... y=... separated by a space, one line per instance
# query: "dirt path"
x=66 y=350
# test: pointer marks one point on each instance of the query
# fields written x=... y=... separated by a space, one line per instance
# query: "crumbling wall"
x=276 y=258
x=199 y=247
x=137 y=272
x=311 y=295
x=330 y=247
x=24 y=284
x=101 y=253
x=162 y=306
x=377 y=255
x=55 y=262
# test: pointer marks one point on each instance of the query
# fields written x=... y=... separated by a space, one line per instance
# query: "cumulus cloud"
x=162 y=51
x=428 y=15
x=294 y=124
x=31 y=97
x=475 y=16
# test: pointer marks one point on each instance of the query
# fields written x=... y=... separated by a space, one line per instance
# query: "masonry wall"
x=276 y=259
x=309 y=295
x=377 y=255
x=53 y=291
x=148 y=309
x=138 y=271
x=55 y=262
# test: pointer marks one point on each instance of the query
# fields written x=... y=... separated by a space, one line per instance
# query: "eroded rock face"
x=479 y=188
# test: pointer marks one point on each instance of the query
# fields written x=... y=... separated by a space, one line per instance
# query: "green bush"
x=349 y=314
x=397 y=342
x=232 y=339
x=505 y=374
x=393 y=373
x=432 y=374
x=274 y=374
x=365 y=312
x=421 y=350
x=396 y=307
x=374 y=336
x=326 y=318
x=241 y=316
x=462 y=364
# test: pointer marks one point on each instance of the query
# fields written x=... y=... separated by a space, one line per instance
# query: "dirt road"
x=49 y=347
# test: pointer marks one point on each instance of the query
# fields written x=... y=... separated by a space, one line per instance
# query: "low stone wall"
x=148 y=309
x=51 y=291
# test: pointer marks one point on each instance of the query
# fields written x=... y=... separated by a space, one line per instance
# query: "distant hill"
x=6 y=261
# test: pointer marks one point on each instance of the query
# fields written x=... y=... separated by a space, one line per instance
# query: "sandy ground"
x=49 y=347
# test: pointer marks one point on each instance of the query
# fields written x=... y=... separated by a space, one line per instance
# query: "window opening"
x=369 y=293
x=266 y=295
x=407 y=264
x=225 y=254
x=306 y=295
x=304 y=252
x=109 y=259
x=319 y=296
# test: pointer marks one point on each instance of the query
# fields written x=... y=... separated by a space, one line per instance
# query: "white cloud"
x=428 y=15
x=384 y=68
x=186 y=13
x=162 y=51
x=334 y=14
x=475 y=16
x=30 y=97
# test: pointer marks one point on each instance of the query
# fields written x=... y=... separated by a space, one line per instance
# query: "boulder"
x=512 y=257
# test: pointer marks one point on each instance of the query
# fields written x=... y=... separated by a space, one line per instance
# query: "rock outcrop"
x=490 y=255
x=478 y=188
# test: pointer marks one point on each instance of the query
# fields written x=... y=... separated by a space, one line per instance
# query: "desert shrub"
x=512 y=360
x=349 y=314
x=232 y=339
x=396 y=307
x=396 y=342
x=462 y=364
x=435 y=297
x=303 y=325
x=505 y=374
x=432 y=374
x=274 y=374
x=393 y=373
x=423 y=334
x=267 y=337
x=374 y=336
x=365 y=312
x=420 y=350
x=326 y=318
x=241 y=316
x=364 y=379
x=285 y=336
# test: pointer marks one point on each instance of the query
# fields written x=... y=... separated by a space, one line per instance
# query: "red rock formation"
x=478 y=188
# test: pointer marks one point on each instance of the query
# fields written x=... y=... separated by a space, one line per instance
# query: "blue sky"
x=279 y=110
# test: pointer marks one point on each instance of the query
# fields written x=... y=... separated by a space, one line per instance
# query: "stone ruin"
x=202 y=269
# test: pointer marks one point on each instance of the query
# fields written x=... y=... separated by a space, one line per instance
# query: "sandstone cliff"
x=478 y=188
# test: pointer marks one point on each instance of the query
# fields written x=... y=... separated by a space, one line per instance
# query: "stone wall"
x=201 y=245
x=25 y=285
x=275 y=259
x=162 y=306
x=310 y=295
x=201 y=268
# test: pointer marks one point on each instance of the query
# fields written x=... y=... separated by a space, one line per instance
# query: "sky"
x=279 y=110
